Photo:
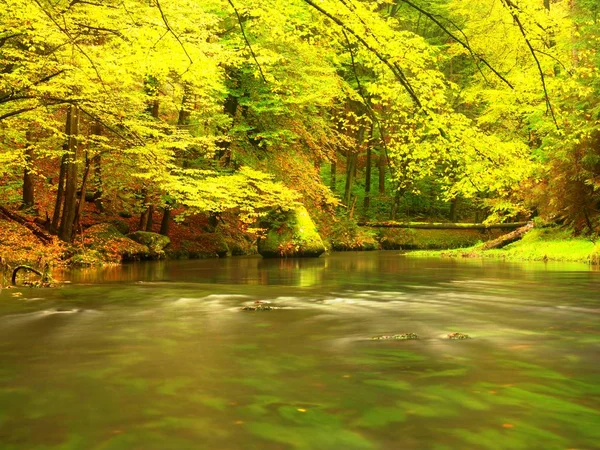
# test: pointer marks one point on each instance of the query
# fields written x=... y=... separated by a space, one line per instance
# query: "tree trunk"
x=144 y=215
x=65 y=231
x=28 y=193
x=367 y=201
x=59 y=195
x=350 y=165
x=164 y=224
x=381 y=167
x=333 y=177
x=81 y=201
x=506 y=239
x=150 y=220
x=453 y=207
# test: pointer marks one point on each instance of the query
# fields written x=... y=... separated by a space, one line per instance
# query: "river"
x=161 y=356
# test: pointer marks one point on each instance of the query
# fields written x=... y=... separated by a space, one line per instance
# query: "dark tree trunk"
x=166 y=220
x=150 y=220
x=333 y=177
x=65 y=231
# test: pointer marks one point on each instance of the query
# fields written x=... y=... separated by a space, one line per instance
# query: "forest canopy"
x=242 y=105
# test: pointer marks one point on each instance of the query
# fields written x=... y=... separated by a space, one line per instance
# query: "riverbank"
x=540 y=244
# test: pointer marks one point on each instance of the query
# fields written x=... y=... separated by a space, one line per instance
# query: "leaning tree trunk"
x=506 y=239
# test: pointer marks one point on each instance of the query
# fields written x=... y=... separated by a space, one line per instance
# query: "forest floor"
x=540 y=244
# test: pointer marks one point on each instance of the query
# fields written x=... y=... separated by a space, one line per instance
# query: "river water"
x=161 y=356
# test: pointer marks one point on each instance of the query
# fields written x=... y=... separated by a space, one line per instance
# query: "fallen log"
x=443 y=226
x=42 y=236
x=506 y=239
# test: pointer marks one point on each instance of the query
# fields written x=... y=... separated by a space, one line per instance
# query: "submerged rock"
x=290 y=234
x=457 y=335
x=396 y=337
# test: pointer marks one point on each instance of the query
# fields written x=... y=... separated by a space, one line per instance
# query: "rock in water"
x=396 y=337
x=290 y=234
x=457 y=335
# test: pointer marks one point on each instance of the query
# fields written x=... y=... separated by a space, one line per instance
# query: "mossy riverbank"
x=540 y=244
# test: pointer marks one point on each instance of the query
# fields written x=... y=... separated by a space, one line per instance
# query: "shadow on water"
x=161 y=356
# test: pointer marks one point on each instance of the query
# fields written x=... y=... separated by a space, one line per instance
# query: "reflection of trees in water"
x=143 y=271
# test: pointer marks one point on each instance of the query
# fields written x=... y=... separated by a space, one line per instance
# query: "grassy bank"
x=541 y=244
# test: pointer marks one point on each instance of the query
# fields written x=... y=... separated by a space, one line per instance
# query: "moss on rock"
x=290 y=234
x=104 y=243
x=155 y=242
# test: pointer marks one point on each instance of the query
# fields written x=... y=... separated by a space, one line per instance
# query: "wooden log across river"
x=443 y=226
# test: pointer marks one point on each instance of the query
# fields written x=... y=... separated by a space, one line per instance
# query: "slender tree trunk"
x=145 y=207
x=81 y=201
x=333 y=177
x=59 y=195
x=381 y=168
x=28 y=197
x=367 y=201
x=350 y=165
x=97 y=179
x=166 y=220
x=70 y=203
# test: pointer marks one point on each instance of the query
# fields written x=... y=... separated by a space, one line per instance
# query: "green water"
x=161 y=356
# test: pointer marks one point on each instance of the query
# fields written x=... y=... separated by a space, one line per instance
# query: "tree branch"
x=166 y=22
x=511 y=9
x=239 y=19
x=395 y=68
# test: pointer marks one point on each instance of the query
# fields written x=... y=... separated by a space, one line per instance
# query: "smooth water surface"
x=161 y=356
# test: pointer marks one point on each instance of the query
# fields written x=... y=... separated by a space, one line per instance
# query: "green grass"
x=543 y=244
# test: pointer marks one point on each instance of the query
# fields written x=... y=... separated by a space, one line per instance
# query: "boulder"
x=155 y=242
x=290 y=234
x=105 y=243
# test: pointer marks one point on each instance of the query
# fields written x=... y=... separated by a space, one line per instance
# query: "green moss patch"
x=290 y=233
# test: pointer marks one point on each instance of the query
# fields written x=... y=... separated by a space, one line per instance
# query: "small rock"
x=259 y=305
x=396 y=337
x=457 y=335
